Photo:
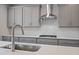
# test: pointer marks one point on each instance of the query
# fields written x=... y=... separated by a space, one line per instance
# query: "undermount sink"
x=32 y=48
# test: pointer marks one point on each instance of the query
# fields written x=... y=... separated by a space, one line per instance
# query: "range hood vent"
x=49 y=12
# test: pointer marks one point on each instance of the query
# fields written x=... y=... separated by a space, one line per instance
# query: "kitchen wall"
x=3 y=20
x=49 y=27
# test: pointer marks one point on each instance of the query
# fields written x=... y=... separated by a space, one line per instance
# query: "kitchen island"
x=44 y=50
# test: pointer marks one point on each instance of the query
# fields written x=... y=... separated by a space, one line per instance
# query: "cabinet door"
x=6 y=38
x=65 y=42
x=27 y=40
x=47 y=41
x=10 y=17
x=35 y=16
x=27 y=14
x=75 y=15
x=65 y=15
x=18 y=15
x=0 y=38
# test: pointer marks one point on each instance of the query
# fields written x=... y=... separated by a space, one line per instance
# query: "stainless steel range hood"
x=49 y=10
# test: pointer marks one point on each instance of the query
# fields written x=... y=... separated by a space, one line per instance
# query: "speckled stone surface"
x=44 y=50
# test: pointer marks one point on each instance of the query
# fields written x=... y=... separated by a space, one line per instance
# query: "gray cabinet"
x=14 y=16
x=31 y=16
x=35 y=16
x=0 y=38
x=10 y=20
x=23 y=15
x=27 y=40
x=27 y=14
x=69 y=15
x=47 y=41
x=60 y=42
x=75 y=15
x=8 y=38
x=18 y=15
x=66 y=42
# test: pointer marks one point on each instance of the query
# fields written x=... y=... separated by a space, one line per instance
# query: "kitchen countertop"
x=44 y=50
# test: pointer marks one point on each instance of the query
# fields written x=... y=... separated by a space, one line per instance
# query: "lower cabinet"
x=47 y=41
x=60 y=42
x=27 y=40
x=0 y=38
x=66 y=42
x=6 y=38
x=16 y=39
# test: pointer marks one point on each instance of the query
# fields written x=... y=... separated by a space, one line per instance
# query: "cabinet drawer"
x=27 y=40
x=47 y=41
x=16 y=39
x=0 y=38
x=74 y=43
x=6 y=38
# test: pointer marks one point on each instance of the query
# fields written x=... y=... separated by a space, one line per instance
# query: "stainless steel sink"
x=32 y=48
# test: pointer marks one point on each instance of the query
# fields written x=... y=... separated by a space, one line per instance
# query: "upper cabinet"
x=14 y=16
x=36 y=15
x=75 y=15
x=18 y=15
x=31 y=16
x=27 y=16
x=10 y=19
x=69 y=15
